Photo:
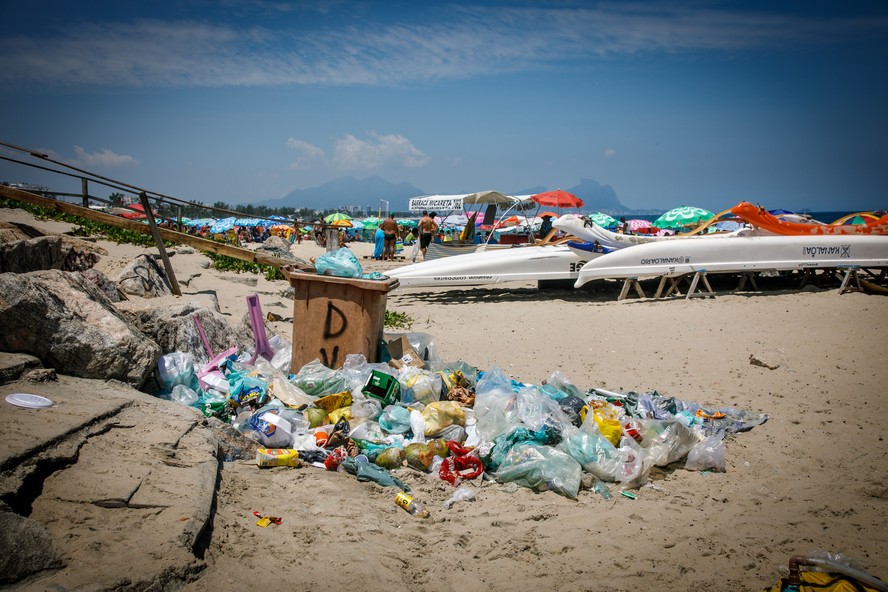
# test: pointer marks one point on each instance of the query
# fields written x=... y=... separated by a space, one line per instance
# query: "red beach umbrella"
x=557 y=199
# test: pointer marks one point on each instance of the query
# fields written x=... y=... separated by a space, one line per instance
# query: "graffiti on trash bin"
x=335 y=325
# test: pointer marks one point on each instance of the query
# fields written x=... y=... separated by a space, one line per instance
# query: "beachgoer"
x=624 y=226
x=390 y=230
x=427 y=229
x=597 y=248
x=378 y=244
x=411 y=237
x=546 y=226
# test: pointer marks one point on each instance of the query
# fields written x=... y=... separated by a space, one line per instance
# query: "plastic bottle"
x=410 y=505
x=184 y=395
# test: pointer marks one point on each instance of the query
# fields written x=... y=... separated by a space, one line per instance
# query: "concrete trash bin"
x=336 y=316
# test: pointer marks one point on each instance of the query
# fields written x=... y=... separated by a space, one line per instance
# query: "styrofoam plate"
x=29 y=401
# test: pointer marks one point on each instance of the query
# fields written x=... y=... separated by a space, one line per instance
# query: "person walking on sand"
x=390 y=230
x=427 y=229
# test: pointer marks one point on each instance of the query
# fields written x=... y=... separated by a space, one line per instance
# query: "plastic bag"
x=317 y=380
x=536 y=410
x=541 y=468
x=707 y=454
x=422 y=343
x=558 y=381
x=177 y=368
x=395 y=419
x=442 y=414
x=462 y=494
x=341 y=263
x=597 y=455
x=274 y=426
x=244 y=389
x=184 y=395
x=424 y=386
x=495 y=405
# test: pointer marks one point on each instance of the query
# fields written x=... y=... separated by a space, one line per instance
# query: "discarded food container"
x=277 y=457
x=383 y=387
x=335 y=316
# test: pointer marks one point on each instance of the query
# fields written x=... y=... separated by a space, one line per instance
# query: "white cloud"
x=351 y=153
x=610 y=153
x=105 y=158
x=449 y=43
x=308 y=154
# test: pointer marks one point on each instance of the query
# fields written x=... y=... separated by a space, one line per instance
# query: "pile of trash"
x=449 y=419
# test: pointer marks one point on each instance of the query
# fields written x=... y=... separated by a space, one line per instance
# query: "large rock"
x=27 y=548
x=279 y=247
x=44 y=252
x=67 y=322
x=144 y=277
x=169 y=321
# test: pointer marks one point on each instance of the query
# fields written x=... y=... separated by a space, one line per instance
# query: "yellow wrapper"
x=277 y=457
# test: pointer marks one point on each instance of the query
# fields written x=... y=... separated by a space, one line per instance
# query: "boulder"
x=27 y=548
x=169 y=321
x=13 y=231
x=66 y=321
x=108 y=287
x=279 y=247
x=44 y=252
x=145 y=278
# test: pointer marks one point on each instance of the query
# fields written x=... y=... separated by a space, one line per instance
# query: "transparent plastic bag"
x=707 y=454
x=357 y=370
x=341 y=263
x=317 y=380
x=598 y=456
x=541 y=468
x=421 y=385
x=536 y=410
x=395 y=419
x=495 y=405
x=177 y=368
x=422 y=343
x=274 y=426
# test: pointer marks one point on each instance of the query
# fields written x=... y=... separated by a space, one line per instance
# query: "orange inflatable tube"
x=758 y=216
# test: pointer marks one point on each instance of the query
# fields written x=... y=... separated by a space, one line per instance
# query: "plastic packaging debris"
x=541 y=468
x=707 y=454
x=495 y=405
x=461 y=494
x=341 y=263
x=177 y=368
x=460 y=466
x=442 y=414
x=395 y=419
x=273 y=425
x=277 y=457
x=317 y=380
x=184 y=395
x=264 y=521
x=411 y=506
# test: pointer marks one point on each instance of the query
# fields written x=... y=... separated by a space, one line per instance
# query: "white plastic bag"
x=707 y=454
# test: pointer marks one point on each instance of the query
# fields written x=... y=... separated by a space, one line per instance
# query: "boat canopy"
x=456 y=202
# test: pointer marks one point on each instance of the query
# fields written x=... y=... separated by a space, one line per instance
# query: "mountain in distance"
x=349 y=191
x=595 y=196
x=367 y=192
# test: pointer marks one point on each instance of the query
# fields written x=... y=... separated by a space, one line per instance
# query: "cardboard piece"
x=403 y=354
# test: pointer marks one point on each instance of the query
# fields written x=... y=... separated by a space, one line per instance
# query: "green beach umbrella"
x=337 y=217
x=603 y=220
x=683 y=216
x=370 y=222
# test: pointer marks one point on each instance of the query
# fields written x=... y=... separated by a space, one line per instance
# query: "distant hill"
x=349 y=191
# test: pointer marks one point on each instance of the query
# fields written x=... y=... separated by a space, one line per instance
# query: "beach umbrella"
x=856 y=220
x=728 y=225
x=337 y=217
x=603 y=220
x=277 y=217
x=370 y=222
x=779 y=212
x=683 y=216
x=557 y=199
x=341 y=223
x=357 y=224
x=637 y=224
x=541 y=214
x=223 y=225
x=458 y=219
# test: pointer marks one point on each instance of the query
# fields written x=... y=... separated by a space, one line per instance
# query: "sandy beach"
x=813 y=477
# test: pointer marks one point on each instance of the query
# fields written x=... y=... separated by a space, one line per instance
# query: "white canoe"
x=550 y=262
x=738 y=254
x=592 y=232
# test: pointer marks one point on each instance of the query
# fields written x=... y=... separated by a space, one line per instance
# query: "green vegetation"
x=397 y=320
x=226 y=263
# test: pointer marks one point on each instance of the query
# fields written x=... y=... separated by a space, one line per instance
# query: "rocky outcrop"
x=70 y=325
x=44 y=252
x=169 y=322
x=145 y=278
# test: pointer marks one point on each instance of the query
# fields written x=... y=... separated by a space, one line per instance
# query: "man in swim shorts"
x=390 y=230
x=427 y=229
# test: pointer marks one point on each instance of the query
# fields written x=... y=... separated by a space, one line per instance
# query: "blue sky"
x=698 y=102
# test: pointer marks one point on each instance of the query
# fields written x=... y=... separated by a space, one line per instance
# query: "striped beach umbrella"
x=603 y=220
x=683 y=216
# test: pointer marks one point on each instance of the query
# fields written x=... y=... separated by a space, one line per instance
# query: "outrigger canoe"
x=739 y=254
x=759 y=217
x=543 y=263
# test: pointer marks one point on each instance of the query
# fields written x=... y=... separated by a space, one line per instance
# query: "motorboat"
x=739 y=254
x=519 y=263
